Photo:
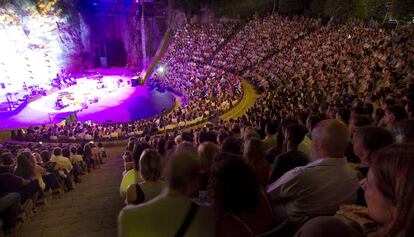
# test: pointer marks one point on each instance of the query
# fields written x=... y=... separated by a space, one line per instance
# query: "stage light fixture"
x=161 y=70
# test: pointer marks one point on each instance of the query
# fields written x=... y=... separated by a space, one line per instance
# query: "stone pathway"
x=90 y=210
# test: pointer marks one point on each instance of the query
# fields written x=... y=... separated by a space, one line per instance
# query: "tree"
x=188 y=6
x=376 y=9
x=291 y=6
x=317 y=7
x=403 y=9
x=342 y=9
x=235 y=8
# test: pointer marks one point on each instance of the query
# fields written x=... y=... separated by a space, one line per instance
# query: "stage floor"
x=124 y=104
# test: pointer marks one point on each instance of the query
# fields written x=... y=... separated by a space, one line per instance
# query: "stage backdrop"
x=37 y=40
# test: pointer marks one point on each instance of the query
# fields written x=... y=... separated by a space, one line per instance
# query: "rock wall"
x=36 y=43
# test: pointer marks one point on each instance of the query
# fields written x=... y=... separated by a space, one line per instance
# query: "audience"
x=328 y=94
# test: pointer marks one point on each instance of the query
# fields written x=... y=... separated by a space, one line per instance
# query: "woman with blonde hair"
x=150 y=172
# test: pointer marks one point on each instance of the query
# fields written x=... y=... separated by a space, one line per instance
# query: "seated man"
x=172 y=213
x=321 y=186
x=292 y=158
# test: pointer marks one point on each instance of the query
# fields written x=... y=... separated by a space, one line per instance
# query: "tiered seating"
x=33 y=174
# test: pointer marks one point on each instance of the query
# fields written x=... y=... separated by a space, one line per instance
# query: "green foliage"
x=236 y=8
x=188 y=6
x=361 y=9
x=376 y=9
x=317 y=7
x=342 y=9
x=289 y=6
x=403 y=10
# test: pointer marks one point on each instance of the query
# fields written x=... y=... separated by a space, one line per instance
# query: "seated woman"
x=27 y=168
x=254 y=155
x=150 y=171
x=132 y=176
x=389 y=193
x=241 y=204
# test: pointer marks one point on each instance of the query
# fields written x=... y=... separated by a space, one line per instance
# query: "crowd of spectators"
x=32 y=174
x=325 y=151
x=259 y=37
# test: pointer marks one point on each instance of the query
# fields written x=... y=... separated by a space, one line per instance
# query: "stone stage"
x=116 y=103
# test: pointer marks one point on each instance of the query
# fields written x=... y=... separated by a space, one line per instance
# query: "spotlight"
x=161 y=70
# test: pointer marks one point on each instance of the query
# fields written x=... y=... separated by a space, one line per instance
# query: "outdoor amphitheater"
x=158 y=118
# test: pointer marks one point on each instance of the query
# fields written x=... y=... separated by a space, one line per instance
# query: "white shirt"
x=315 y=189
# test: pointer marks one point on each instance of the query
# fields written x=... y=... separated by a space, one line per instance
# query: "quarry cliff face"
x=45 y=37
x=36 y=44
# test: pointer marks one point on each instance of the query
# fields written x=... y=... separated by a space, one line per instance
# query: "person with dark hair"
x=88 y=156
x=343 y=114
x=231 y=145
x=358 y=120
x=6 y=163
x=405 y=131
x=367 y=140
x=271 y=137
x=186 y=136
x=393 y=115
x=378 y=115
x=222 y=136
x=235 y=130
x=254 y=154
x=242 y=207
x=292 y=158
x=172 y=213
x=311 y=122
x=150 y=171
x=161 y=146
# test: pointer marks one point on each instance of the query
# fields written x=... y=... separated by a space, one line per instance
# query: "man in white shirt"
x=321 y=186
